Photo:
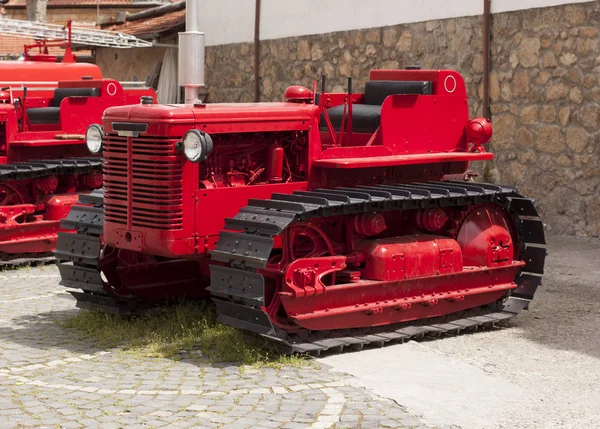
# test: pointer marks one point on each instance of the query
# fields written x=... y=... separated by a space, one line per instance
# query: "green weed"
x=185 y=327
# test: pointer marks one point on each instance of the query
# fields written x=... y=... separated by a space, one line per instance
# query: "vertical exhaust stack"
x=191 y=53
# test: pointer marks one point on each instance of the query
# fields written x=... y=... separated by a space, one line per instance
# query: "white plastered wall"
x=232 y=21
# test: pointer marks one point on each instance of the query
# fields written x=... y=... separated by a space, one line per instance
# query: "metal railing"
x=79 y=35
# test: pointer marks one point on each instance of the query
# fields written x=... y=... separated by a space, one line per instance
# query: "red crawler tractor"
x=44 y=162
x=323 y=221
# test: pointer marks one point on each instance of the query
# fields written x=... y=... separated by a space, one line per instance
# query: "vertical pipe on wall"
x=256 y=51
x=486 y=112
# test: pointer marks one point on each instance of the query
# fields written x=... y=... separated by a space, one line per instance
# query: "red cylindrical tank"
x=479 y=131
x=275 y=164
x=37 y=71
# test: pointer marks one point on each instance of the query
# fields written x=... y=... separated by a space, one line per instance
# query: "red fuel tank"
x=410 y=256
x=39 y=71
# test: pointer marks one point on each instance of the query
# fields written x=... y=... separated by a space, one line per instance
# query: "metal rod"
x=349 y=111
x=192 y=15
x=332 y=134
x=257 y=52
x=486 y=111
x=191 y=94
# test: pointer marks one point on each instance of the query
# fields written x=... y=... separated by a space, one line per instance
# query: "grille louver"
x=147 y=193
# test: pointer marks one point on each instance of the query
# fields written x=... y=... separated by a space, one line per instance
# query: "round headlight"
x=197 y=145
x=93 y=138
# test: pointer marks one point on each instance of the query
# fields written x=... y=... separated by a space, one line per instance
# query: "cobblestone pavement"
x=51 y=378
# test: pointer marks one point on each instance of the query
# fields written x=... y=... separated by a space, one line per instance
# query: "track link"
x=78 y=253
x=237 y=289
x=78 y=256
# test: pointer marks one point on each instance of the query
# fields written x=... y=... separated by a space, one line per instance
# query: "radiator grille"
x=147 y=193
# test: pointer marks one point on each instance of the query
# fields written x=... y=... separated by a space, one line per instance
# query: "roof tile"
x=154 y=25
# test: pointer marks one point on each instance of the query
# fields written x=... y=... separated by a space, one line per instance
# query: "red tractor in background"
x=323 y=221
x=44 y=162
x=46 y=106
x=40 y=74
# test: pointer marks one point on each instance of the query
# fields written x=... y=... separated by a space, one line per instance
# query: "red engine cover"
x=410 y=256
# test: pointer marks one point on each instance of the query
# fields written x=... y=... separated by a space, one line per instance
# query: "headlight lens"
x=93 y=138
x=197 y=145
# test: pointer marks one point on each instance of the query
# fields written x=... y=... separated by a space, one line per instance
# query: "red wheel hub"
x=485 y=238
x=9 y=195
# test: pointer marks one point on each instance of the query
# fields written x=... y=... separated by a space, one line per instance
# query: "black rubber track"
x=78 y=253
x=41 y=168
x=78 y=256
x=237 y=290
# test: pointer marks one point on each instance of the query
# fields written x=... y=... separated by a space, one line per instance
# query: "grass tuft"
x=185 y=327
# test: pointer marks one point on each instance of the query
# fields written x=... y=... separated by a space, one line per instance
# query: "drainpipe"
x=256 y=51
x=191 y=53
x=486 y=112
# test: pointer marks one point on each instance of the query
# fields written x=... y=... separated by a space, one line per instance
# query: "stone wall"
x=128 y=65
x=544 y=88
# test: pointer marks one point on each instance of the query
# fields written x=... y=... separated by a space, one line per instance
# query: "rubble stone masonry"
x=544 y=89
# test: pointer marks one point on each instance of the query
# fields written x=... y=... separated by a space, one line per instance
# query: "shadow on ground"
x=43 y=331
x=565 y=313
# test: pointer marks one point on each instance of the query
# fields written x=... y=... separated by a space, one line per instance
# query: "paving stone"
x=349 y=418
x=50 y=377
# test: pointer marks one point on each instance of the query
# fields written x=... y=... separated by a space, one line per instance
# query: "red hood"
x=154 y=113
x=211 y=113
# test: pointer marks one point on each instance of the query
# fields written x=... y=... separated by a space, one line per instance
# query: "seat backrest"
x=61 y=93
x=377 y=90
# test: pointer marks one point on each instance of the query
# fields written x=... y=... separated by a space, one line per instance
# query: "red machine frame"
x=32 y=204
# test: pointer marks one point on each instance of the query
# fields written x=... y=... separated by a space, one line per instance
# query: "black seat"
x=365 y=117
x=51 y=114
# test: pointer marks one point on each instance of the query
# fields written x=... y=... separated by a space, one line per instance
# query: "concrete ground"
x=542 y=371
